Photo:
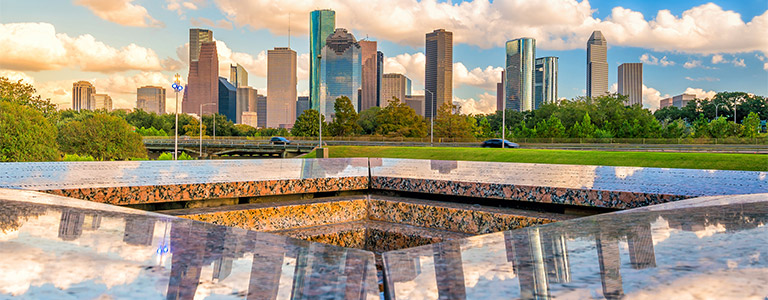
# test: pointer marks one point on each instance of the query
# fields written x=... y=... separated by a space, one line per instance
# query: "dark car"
x=279 y=140
x=496 y=143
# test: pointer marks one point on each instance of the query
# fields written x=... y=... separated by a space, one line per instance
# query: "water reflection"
x=87 y=253
x=611 y=256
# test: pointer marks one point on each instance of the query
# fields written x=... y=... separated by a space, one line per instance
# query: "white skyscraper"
x=597 y=65
x=631 y=82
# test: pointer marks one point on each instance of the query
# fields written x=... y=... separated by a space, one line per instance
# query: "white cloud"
x=692 y=64
x=122 y=12
x=37 y=46
x=700 y=93
x=15 y=76
x=649 y=59
x=651 y=98
x=710 y=79
x=205 y=22
x=739 y=62
x=484 y=104
x=717 y=58
x=482 y=78
x=410 y=65
x=702 y=29
x=180 y=6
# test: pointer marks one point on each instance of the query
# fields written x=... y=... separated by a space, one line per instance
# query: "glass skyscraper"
x=438 y=70
x=518 y=85
x=321 y=25
x=545 y=90
x=340 y=71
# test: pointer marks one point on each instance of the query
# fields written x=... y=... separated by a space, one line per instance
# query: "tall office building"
x=82 y=95
x=416 y=102
x=151 y=99
x=438 y=75
x=369 y=81
x=246 y=101
x=261 y=110
x=281 y=86
x=518 y=88
x=341 y=70
x=203 y=81
x=302 y=104
x=678 y=101
x=102 y=102
x=500 y=93
x=228 y=100
x=238 y=76
x=379 y=73
x=394 y=85
x=631 y=82
x=197 y=37
x=597 y=65
x=545 y=86
x=321 y=24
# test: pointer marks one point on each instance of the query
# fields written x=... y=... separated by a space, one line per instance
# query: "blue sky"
x=687 y=46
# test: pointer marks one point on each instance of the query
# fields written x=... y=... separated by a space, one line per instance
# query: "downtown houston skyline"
x=688 y=46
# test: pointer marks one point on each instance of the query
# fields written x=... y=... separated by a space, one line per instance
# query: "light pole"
x=176 y=87
x=718 y=105
x=201 y=126
x=431 y=118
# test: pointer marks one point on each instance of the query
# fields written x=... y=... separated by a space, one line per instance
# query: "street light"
x=201 y=126
x=718 y=105
x=431 y=118
x=176 y=87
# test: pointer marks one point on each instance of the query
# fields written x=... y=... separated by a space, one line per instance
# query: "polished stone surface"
x=139 y=182
x=601 y=186
x=707 y=248
x=53 y=247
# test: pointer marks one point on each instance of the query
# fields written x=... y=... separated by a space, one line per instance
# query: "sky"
x=686 y=46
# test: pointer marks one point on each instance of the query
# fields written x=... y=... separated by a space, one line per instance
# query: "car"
x=279 y=140
x=496 y=143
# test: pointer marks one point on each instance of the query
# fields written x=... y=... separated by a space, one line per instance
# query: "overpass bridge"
x=223 y=148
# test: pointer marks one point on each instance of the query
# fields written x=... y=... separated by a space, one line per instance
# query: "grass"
x=720 y=161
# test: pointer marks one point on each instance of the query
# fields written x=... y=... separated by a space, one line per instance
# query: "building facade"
x=151 y=99
x=631 y=82
x=322 y=23
x=203 y=81
x=228 y=100
x=281 y=86
x=246 y=101
x=238 y=76
x=597 y=65
x=519 y=72
x=302 y=104
x=438 y=72
x=197 y=37
x=102 y=102
x=82 y=96
x=250 y=118
x=416 y=102
x=341 y=70
x=545 y=84
x=678 y=101
x=369 y=90
x=379 y=74
x=261 y=110
x=394 y=85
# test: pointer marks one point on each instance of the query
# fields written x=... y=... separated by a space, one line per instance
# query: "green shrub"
x=75 y=157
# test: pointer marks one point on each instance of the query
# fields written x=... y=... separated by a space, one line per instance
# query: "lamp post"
x=718 y=105
x=177 y=88
x=431 y=118
x=201 y=126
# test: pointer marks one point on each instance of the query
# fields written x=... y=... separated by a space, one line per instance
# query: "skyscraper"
x=82 y=95
x=438 y=75
x=379 y=73
x=302 y=104
x=238 y=76
x=631 y=82
x=545 y=90
x=102 y=102
x=197 y=37
x=203 y=81
x=261 y=110
x=246 y=101
x=228 y=100
x=597 y=65
x=370 y=63
x=416 y=102
x=281 y=86
x=518 y=88
x=341 y=70
x=151 y=99
x=394 y=85
x=321 y=24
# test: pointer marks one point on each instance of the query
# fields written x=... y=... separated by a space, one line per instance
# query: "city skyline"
x=672 y=64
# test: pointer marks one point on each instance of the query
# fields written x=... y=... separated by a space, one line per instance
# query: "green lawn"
x=748 y=162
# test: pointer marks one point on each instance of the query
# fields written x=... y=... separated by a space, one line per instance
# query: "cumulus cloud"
x=412 y=66
x=692 y=64
x=651 y=98
x=180 y=6
x=700 y=93
x=719 y=59
x=37 y=46
x=15 y=76
x=484 y=104
x=205 y=22
x=122 y=12
x=704 y=29
x=482 y=78
x=649 y=59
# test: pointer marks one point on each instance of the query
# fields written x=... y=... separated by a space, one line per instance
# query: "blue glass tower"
x=341 y=70
x=321 y=25
x=519 y=84
x=228 y=100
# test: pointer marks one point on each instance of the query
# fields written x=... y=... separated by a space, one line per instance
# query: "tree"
x=345 y=120
x=550 y=128
x=583 y=129
x=721 y=127
x=102 y=136
x=307 y=124
x=223 y=126
x=751 y=125
x=484 y=129
x=24 y=94
x=675 y=129
x=399 y=119
x=151 y=131
x=142 y=119
x=453 y=125
x=25 y=134
x=367 y=120
x=192 y=128
x=244 y=130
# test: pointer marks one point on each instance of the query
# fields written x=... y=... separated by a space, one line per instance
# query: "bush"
x=102 y=136
x=75 y=157
x=151 y=131
x=169 y=156
x=26 y=135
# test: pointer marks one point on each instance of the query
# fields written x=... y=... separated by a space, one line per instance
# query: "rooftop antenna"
x=289 y=30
